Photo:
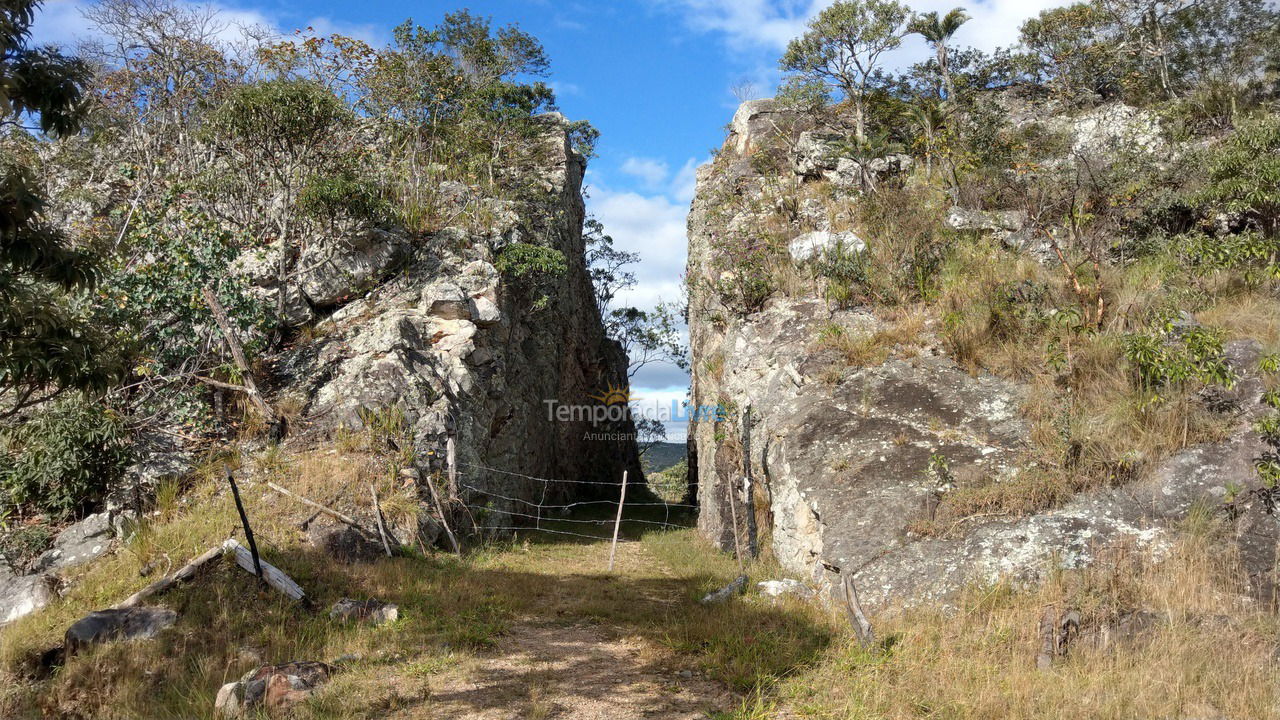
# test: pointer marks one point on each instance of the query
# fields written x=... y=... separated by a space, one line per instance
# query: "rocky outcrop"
x=846 y=459
x=464 y=351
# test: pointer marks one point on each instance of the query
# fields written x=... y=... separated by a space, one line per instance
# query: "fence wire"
x=538 y=512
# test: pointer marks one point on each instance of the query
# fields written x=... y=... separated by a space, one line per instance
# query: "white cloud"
x=755 y=25
x=651 y=172
x=654 y=226
x=61 y=22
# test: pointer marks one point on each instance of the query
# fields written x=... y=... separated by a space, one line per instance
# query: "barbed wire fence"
x=491 y=510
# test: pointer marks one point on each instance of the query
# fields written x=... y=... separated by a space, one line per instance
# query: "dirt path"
x=578 y=671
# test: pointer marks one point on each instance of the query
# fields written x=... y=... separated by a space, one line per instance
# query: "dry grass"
x=1209 y=653
x=1211 y=649
x=1252 y=315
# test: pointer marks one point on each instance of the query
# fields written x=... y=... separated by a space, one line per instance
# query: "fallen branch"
x=317 y=506
x=737 y=587
x=237 y=353
x=861 y=626
x=184 y=573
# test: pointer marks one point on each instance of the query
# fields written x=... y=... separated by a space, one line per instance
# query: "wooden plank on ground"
x=271 y=574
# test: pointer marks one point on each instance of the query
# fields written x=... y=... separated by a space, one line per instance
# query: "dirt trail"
x=569 y=670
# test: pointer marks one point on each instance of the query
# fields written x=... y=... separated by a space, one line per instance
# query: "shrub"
x=535 y=266
x=1195 y=355
x=64 y=457
x=343 y=195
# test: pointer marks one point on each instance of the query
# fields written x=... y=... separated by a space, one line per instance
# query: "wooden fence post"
x=748 y=486
x=733 y=514
x=451 y=459
x=244 y=520
x=617 y=524
x=377 y=516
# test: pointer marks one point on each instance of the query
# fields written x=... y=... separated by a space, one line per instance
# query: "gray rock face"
x=755 y=119
x=331 y=271
x=826 y=155
x=1116 y=129
x=137 y=623
x=463 y=352
x=816 y=153
x=844 y=458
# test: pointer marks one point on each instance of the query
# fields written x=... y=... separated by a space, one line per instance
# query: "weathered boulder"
x=817 y=153
x=77 y=544
x=374 y=612
x=819 y=242
x=344 y=543
x=275 y=689
x=332 y=271
x=23 y=594
x=135 y=623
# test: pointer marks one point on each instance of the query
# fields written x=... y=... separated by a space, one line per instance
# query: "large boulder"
x=344 y=543
x=373 y=612
x=332 y=271
x=100 y=626
x=23 y=594
x=77 y=544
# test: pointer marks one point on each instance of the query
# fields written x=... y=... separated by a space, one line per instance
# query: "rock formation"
x=844 y=458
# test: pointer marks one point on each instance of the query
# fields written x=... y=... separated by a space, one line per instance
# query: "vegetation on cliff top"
x=1134 y=258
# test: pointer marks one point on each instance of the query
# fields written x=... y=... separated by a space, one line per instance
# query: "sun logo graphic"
x=613 y=396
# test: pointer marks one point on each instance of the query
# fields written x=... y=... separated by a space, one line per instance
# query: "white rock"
x=785 y=586
x=813 y=244
x=229 y=700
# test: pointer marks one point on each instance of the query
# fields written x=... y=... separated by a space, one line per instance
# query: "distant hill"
x=661 y=456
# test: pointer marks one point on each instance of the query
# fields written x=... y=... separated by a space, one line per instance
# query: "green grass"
x=452 y=611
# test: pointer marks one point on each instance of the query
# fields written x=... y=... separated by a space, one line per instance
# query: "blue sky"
x=655 y=76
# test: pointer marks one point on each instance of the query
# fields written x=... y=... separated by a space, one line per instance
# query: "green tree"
x=843 y=47
x=1076 y=49
x=938 y=31
x=46 y=343
x=279 y=132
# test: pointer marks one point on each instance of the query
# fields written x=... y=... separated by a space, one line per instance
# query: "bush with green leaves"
x=344 y=195
x=1244 y=174
x=536 y=267
x=64 y=457
x=1172 y=358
